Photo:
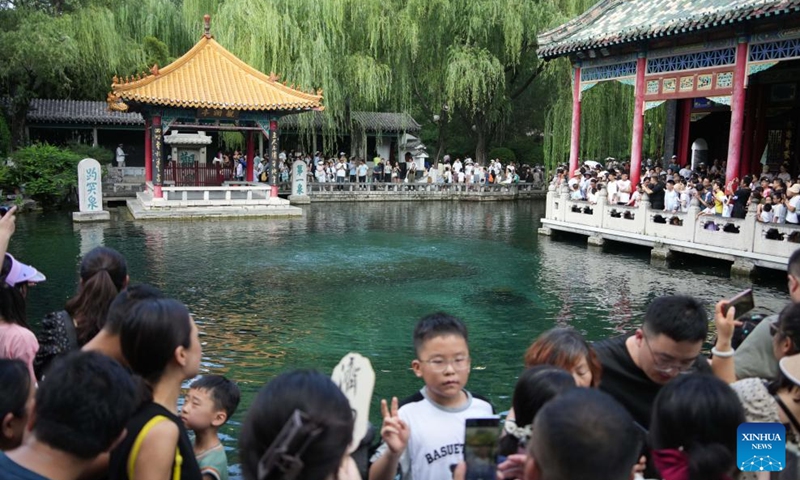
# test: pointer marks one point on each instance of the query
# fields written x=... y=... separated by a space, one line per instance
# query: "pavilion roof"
x=209 y=76
x=616 y=22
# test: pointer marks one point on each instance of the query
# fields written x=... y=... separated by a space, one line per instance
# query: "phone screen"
x=480 y=448
x=742 y=302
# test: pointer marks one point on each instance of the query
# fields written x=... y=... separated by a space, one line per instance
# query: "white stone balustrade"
x=737 y=239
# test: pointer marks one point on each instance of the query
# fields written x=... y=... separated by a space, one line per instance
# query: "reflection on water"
x=301 y=293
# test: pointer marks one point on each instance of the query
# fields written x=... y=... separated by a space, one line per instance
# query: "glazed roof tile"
x=209 y=76
x=614 y=22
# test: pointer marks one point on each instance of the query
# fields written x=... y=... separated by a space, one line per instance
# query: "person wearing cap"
x=16 y=338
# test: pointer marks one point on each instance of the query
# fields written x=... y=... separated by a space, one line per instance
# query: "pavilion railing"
x=197 y=174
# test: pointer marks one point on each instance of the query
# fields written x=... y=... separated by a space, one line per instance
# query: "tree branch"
x=422 y=101
x=530 y=80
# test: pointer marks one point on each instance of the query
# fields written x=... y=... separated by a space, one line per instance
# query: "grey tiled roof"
x=79 y=111
x=97 y=113
x=614 y=22
x=369 y=121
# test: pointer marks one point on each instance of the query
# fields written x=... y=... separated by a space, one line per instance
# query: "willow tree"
x=471 y=58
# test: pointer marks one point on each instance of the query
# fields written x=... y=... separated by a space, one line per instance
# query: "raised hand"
x=394 y=431
x=725 y=323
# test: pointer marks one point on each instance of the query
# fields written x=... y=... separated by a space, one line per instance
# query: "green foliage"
x=47 y=173
x=155 y=51
x=232 y=141
x=103 y=155
x=5 y=138
x=528 y=149
x=506 y=155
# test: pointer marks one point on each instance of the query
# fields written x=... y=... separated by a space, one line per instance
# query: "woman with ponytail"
x=693 y=429
x=160 y=343
x=104 y=273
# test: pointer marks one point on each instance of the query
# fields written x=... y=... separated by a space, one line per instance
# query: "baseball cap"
x=21 y=272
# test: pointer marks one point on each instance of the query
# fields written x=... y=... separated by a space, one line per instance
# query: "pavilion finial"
x=207 y=25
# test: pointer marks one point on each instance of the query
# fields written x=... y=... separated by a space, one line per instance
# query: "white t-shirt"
x=670 y=200
x=612 y=188
x=791 y=217
x=779 y=213
x=120 y=155
x=437 y=435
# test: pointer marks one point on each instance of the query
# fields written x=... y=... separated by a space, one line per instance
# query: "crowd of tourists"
x=96 y=395
x=776 y=194
x=342 y=169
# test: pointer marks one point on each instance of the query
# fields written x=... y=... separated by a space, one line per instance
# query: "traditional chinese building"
x=208 y=88
x=730 y=65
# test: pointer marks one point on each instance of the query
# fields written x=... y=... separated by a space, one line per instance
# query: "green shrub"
x=48 y=174
x=505 y=155
x=103 y=155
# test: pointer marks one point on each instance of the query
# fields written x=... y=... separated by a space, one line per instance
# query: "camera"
x=3 y=210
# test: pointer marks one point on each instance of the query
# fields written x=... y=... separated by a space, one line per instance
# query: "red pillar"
x=760 y=130
x=148 y=152
x=251 y=153
x=684 y=153
x=737 y=112
x=158 y=163
x=638 y=121
x=575 y=140
x=749 y=131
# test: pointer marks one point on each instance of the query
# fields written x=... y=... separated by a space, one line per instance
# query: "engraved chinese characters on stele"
x=299 y=178
x=90 y=188
x=356 y=379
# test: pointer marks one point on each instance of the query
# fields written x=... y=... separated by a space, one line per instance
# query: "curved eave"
x=693 y=26
x=167 y=102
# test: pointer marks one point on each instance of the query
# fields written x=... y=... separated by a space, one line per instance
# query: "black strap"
x=69 y=327
x=788 y=413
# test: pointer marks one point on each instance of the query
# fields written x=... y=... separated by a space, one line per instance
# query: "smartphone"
x=480 y=448
x=3 y=210
x=743 y=302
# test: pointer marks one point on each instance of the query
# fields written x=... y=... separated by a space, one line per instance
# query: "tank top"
x=185 y=465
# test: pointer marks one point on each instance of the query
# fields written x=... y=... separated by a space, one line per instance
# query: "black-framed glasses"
x=667 y=366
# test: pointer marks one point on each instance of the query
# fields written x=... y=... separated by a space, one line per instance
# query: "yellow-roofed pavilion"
x=209 y=88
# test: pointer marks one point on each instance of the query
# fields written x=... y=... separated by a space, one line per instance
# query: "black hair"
x=789 y=325
x=103 y=274
x=151 y=333
x=318 y=397
x=83 y=404
x=701 y=414
x=124 y=302
x=437 y=325
x=13 y=308
x=15 y=386
x=223 y=392
x=584 y=431
x=794 y=264
x=535 y=387
x=679 y=317
x=768 y=207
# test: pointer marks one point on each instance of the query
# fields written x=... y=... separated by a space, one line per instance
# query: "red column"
x=749 y=131
x=737 y=112
x=575 y=141
x=684 y=153
x=760 y=131
x=638 y=121
x=158 y=163
x=148 y=152
x=251 y=153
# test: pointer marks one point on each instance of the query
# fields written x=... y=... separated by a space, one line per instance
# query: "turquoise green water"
x=279 y=294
